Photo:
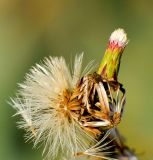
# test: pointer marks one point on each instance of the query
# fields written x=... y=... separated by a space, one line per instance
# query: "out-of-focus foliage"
x=32 y=29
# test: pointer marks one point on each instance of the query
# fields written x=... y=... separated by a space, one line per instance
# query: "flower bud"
x=109 y=66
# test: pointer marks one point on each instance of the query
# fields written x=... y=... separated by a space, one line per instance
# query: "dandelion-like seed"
x=48 y=105
x=75 y=113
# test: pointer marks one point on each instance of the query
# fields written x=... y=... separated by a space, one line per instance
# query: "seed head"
x=46 y=103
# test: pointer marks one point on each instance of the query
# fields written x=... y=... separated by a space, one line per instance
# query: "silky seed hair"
x=43 y=103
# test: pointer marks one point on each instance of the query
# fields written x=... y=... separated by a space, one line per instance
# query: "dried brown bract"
x=102 y=103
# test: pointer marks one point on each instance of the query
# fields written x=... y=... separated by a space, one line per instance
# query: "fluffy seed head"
x=44 y=102
x=118 y=39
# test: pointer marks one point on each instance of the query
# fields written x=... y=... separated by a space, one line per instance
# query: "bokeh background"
x=33 y=29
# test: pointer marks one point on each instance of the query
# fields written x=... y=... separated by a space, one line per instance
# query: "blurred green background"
x=32 y=29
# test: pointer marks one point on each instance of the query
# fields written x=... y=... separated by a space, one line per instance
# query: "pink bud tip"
x=118 y=39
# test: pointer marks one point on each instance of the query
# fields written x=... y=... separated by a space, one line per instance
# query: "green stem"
x=110 y=64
